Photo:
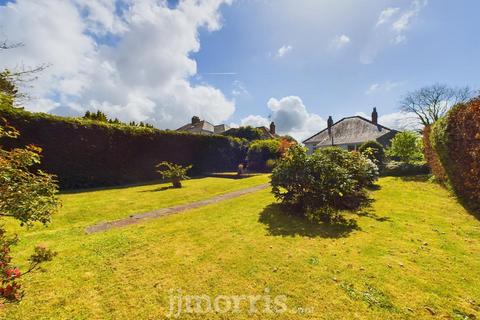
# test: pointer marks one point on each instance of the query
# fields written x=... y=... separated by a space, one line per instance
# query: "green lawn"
x=413 y=253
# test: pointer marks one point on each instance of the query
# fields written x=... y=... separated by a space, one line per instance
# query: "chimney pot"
x=272 y=128
x=330 y=123
x=195 y=119
x=375 y=116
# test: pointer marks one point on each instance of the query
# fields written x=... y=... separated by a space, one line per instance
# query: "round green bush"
x=373 y=150
x=321 y=185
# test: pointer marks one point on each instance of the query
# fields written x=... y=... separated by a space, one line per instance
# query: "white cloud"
x=386 y=15
x=382 y=87
x=400 y=121
x=255 y=121
x=397 y=120
x=283 y=50
x=373 y=88
x=391 y=28
x=290 y=116
x=143 y=76
x=239 y=89
x=403 y=22
x=340 y=41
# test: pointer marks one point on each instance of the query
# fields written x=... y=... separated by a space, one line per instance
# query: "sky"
x=240 y=62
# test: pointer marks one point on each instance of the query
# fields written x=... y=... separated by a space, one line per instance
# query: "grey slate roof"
x=352 y=130
x=199 y=127
x=204 y=127
x=220 y=128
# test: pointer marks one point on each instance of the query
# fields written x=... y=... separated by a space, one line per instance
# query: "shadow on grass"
x=372 y=215
x=419 y=178
x=121 y=186
x=281 y=223
x=374 y=187
x=159 y=189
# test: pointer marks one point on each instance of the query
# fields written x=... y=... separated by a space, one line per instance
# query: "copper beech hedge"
x=432 y=158
x=456 y=139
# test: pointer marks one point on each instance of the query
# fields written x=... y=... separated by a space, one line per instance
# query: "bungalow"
x=350 y=132
x=203 y=127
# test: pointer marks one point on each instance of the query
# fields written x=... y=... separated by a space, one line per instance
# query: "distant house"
x=268 y=133
x=203 y=127
x=350 y=132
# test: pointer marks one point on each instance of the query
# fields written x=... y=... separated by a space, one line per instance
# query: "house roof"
x=266 y=134
x=220 y=128
x=349 y=130
x=201 y=126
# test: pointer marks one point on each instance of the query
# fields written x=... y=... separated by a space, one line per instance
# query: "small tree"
x=430 y=103
x=407 y=147
x=172 y=172
x=25 y=195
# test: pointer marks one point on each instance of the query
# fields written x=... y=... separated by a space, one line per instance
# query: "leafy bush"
x=373 y=151
x=406 y=147
x=249 y=133
x=270 y=164
x=172 y=172
x=26 y=195
x=432 y=158
x=320 y=185
x=403 y=169
x=456 y=139
x=260 y=152
x=84 y=153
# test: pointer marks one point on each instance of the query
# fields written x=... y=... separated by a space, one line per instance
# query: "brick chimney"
x=195 y=120
x=329 y=124
x=375 y=116
x=272 y=128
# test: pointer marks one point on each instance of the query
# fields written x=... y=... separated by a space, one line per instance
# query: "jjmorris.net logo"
x=181 y=303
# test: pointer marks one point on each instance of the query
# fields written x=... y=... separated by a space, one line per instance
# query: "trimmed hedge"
x=85 y=153
x=432 y=158
x=403 y=169
x=456 y=139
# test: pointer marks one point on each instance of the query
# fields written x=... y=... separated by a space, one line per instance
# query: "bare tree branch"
x=430 y=103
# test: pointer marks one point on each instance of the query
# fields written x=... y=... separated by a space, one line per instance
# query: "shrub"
x=260 y=152
x=406 y=147
x=248 y=133
x=26 y=195
x=456 y=139
x=403 y=169
x=373 y=151
x=320 y=185
x=270 y=164
x=172 y=172
x=432 y=158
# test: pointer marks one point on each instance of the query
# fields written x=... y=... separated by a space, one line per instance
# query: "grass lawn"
x=413 y=254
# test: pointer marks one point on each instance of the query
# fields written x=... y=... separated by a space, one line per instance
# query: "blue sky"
x=441 y=46
x=241 y=62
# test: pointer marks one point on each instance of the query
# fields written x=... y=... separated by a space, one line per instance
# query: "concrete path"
x=137 y=218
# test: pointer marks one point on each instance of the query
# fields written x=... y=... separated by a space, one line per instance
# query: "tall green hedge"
x=86 y=153
x=456 y=139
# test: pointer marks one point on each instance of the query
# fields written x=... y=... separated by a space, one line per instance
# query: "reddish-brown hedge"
x=456 y=138
x=431 y=157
